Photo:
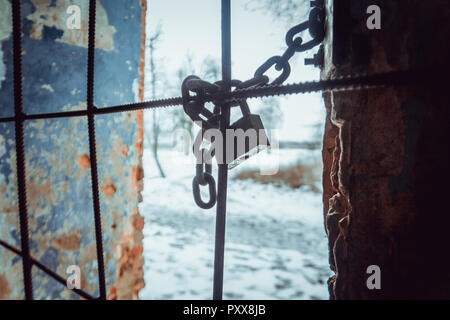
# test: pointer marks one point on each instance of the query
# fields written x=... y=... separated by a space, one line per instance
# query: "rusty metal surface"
x=385 y=152
x=57 y=155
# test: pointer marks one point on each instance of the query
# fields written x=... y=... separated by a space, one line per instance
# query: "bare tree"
x=270 y=112
x=181 y=120
x=156 y=129
x=210 y=69
x=287 y=10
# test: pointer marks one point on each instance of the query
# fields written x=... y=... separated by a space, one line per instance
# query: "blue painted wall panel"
x=57 y=157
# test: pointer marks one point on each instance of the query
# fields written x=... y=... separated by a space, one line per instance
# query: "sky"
x=193 y=27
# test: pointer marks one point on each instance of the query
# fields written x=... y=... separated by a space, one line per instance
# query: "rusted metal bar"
x=222 y=183
x=66 y=114
x=394 y=78
x=175 y=101
x=8 y=119
x=93 y=151
x=49 y=272
x=20 y=150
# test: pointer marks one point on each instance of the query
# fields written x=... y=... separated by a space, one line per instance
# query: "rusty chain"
x=194 y=105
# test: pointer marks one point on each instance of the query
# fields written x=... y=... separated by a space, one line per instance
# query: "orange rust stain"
x=138 y=223
x=117 y=219
x=9 y=210
x=121 y=148
x=5 y=289
x=137 y=174
x=140 y=140
x=127 y=238
x=138 y=286
x=129 y=279
x=84 y=161
x=42 y=189
x=69 y=242
x=130 y=273
x=136 y=251
x=112 y=293
x=125 y=151
x=140 y=113
x=33 y=30
x=109 y=189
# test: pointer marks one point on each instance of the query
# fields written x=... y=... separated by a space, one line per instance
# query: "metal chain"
x=204 y=177
x=316 y=27
x=345 y=83
x=194 y=105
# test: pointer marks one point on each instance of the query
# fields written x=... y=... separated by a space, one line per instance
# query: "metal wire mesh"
x=19 y=118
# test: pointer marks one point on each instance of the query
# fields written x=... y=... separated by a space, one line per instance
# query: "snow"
x=276 y=246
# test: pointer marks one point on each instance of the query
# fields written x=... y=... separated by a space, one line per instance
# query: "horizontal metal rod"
x=97 y=111
x=63 y=114
x=9 y=119
x=52 y=274
x=170 y=102
x=339 y=84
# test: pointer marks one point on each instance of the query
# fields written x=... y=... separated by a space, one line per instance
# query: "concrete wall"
x=386 y=152
x=57 y=151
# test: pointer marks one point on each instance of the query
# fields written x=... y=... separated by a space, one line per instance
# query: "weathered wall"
x=386 y=152
x=57 y=152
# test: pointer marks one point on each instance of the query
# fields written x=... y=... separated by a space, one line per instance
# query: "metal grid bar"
x=20 y=151
x=93 y=150
x=49 y=272
x=222 y=181
x=19 y=119
x=222 y=98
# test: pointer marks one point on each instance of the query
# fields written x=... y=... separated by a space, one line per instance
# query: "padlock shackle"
x=245 y=109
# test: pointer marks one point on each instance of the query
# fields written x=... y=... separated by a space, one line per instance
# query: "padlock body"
x=249 y=137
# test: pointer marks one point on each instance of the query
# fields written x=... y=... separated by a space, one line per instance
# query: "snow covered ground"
x=276 y=246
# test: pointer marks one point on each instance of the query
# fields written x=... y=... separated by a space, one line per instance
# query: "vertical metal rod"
x=20 y=150
x=223 y=168
x=93 y=151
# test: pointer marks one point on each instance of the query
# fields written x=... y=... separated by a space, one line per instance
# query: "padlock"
x=249 y=137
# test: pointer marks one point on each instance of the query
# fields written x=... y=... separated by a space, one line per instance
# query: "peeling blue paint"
x=58 y=186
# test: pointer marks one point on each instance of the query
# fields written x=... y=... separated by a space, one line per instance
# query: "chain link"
x=203 y=178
